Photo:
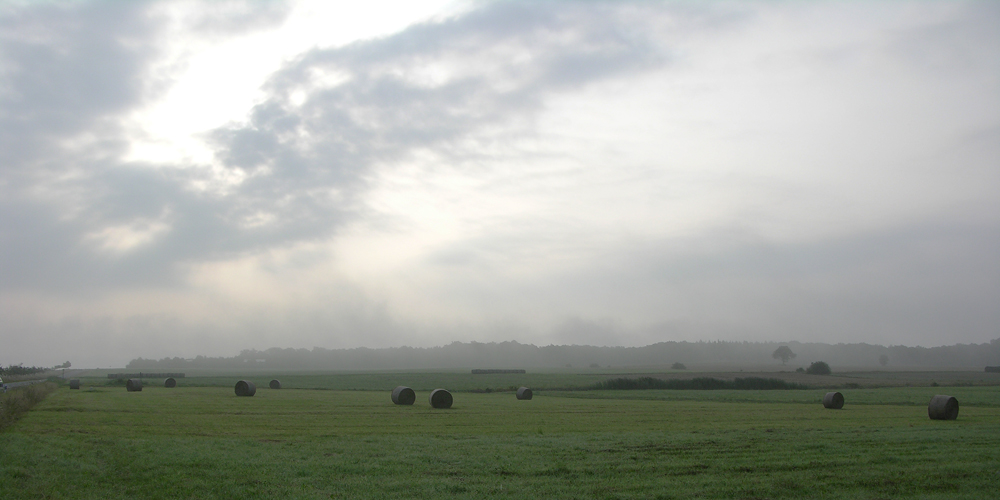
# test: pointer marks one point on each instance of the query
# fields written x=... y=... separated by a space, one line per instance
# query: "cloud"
x=334 y=115
x=67 y=71
x=298 y=167
x=619 y=172
x=72 y=74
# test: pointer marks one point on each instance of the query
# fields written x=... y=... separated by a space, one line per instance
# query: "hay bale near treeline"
x=441 y=398
x=943 y=408
x=275 y=384
x=524 y=393
x=833 y=400
x=133 y=385
x=245 y=388
x=403 y=395
x=74 y=383
x=170 y=383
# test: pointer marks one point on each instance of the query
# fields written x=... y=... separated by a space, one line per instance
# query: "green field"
x=201 y=441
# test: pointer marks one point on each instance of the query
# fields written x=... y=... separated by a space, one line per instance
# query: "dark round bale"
x=74 y=383
x=943 y=408
x=403 y=395
x=441 y=398
x=245 y=388
x=133 y=385
x=524 y=393
x=833 y=400
x=170 y=383
x=275 y=384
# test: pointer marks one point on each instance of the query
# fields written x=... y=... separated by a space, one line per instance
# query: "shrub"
x=16 y=402
x=818 y=368
x=16 y=370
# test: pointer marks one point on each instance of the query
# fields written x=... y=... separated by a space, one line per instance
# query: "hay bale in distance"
x=245 y=388
x=833 y=400
x=133 y=385
x=170 y=383
x=524 y=393
x=74 y=383
x=403 y=395
x=943 y=408
x=275 y=384
x=441 y=398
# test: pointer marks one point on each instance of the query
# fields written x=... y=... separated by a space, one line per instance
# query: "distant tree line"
x=469 y=355
x=15 y=370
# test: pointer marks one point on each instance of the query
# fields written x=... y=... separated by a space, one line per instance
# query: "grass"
x=982 y=396
x=204 y=442
x=16 y=402
x=699 y=383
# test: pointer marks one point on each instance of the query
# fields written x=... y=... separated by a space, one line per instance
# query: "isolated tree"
x=883 y=360
x=679 y=366
x=783 y=353
x=818 y=368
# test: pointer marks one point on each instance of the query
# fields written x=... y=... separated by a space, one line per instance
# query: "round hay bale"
x=833 y=400
x=524 y=393
x=133 y=385
x=170 y=383
x=245 y=388
x=274 y=384
x=441 y=398
x=943 y=408
x=403 y=395
x=74 y=383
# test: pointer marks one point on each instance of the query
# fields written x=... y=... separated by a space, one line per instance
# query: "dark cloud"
x=67 y=69
x=72 y=70
x=70 y=73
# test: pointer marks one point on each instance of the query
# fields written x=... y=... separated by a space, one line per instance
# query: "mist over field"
x=183 y=179
x=721 y=356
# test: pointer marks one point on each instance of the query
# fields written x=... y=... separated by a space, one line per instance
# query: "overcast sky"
x=184 y=178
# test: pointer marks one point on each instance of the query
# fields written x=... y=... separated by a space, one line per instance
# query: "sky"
x=182 y=178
